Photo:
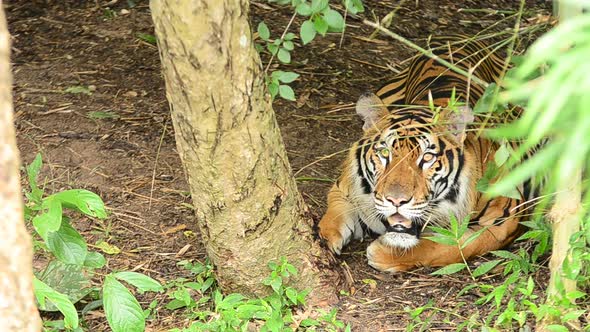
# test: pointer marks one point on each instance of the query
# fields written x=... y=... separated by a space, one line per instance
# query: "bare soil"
x=130 y=158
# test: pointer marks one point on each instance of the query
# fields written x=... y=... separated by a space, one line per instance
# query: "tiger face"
x=417 y=173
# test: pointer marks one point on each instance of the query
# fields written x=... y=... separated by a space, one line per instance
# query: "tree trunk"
x=247 y=204
x=17 y=305
x=565 y=215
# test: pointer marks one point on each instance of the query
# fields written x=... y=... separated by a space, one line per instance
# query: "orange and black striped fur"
x=415 y=166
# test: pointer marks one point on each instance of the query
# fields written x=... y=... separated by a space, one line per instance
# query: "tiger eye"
x=428 y=157
x=384 y=153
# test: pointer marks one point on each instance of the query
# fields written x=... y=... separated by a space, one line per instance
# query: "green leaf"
x=575 y=314
x=108 y=248
x=491 y=171
x=33 y=174
x=276 y=284
x=286 y=92
x=284 y=55
x=272 y=48
x=290 y=36
x=354 y=6
x=94 y=260
x=486 y=102
x=263 y=31
x=318 y=5
x=142 y=282
x=273 y=89
x=123 y=312
x=291 y=295
x=505 y=254
x=450 y=269
x=285 y=76
x=78 y=89
x=65 y=306
x=67 y=245
x=533 y=234
x=249 y=311
x=556 y=328
x=307 y=32
x=82 y=200
x=68 y=279
x=303 y=9
x=472 y=237
x=449 y=241
x=49 y=221
x=441 y=231
x=230 y=301
x=175 y=304
x=148 y=38
x=485 y=267
x=502 y=154
x=207 y=284
x=334 y=20
x=528 y=167
x=291 y=269
x=288 y=45
x=320 y=25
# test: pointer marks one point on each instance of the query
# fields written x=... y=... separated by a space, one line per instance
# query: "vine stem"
x=424 y=51
x=465 y=262
x=281 y=39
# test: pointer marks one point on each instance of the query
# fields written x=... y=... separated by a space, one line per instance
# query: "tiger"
x=418 y=164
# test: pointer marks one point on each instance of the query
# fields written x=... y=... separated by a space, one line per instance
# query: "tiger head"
x=416 y=167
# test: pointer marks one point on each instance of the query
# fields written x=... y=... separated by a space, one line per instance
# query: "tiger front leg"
x=429 y=253
x=339 y=224
x=426 y=253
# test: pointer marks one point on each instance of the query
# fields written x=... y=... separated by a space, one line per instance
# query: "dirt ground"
x=118 y=140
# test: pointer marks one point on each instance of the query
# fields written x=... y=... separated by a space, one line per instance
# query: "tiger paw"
x=334 y=240
x=387 y=259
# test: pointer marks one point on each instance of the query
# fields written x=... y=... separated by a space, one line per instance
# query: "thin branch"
x=424 y=52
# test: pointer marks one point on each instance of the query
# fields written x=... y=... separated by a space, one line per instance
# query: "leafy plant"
x=66 y=278
x=182 y=291
x=320 y=19
x=235 y=312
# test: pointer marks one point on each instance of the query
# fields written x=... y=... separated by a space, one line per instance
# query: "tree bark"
x=247 y=204
x=17 y=304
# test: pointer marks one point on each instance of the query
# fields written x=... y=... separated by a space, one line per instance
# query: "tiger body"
x=416 y=166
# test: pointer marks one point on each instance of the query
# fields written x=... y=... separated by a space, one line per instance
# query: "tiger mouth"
x=400 y=224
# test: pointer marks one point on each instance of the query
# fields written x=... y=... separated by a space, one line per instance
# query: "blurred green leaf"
x=485 y=267
x=71 y=280
x=64 y=305
x=82 y=200
x=142 y=282
x=307 y=32
x=450 y=269
x=148 y=38
x=284 y=55
x=320 y=25
x=123 y=312
x=67 y=245
x=286 y=92
x=334 y=19
x=263 y=31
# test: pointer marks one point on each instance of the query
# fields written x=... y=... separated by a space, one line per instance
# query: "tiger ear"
x=370 y=108
x=457 y=122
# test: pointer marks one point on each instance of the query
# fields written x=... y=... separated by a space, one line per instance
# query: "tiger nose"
x=398 y=201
